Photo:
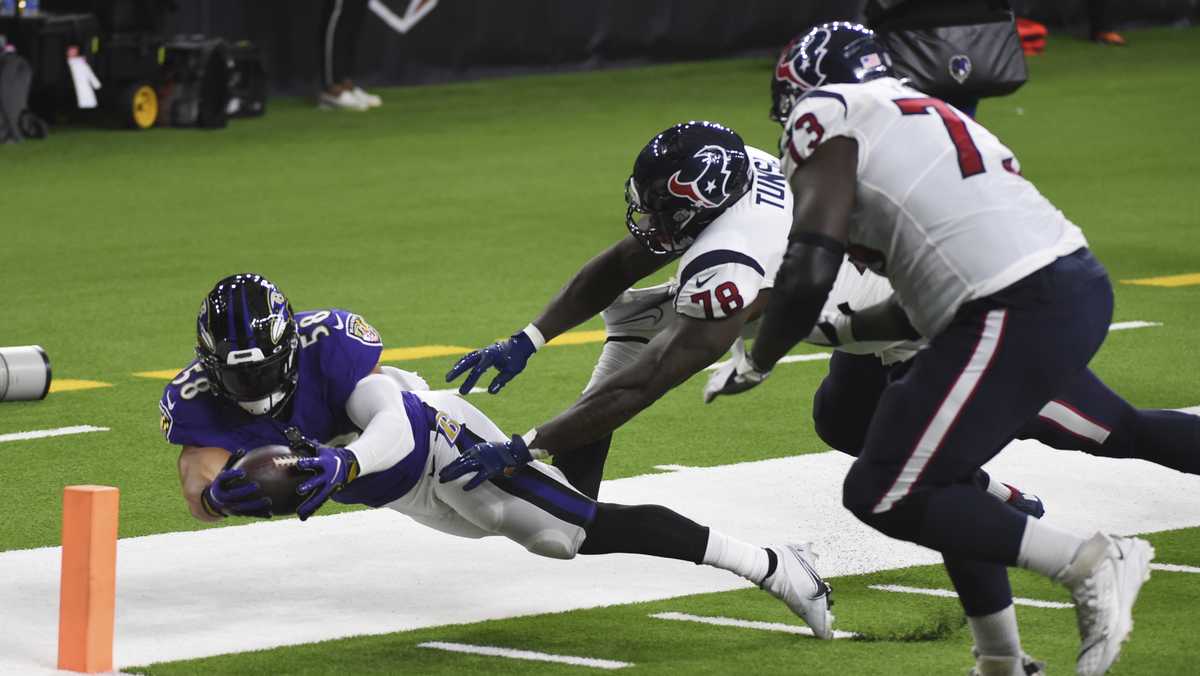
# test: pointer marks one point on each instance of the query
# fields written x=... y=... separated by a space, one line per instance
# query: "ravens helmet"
x=682 y=180
x=831 y=53
x=247 y=343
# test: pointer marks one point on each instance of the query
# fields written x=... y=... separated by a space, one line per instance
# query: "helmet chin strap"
x=265 y=405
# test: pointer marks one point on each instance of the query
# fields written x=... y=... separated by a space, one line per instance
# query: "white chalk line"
x=949 y=593
x=514 y=654
x=672 y=468
x=824 y=356
x=1136 y=324
x=746 y=624
x=57 y=432
x=1174 y=568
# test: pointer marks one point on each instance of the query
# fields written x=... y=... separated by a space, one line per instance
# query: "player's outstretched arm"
x=213 y=490
x=824 y=186
x=591 y=290
x=671 y=358
x=882 y=322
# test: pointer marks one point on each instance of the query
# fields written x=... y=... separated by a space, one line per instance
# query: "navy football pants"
x=978 y=384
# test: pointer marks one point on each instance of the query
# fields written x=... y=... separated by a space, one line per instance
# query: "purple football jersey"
x=337 y=349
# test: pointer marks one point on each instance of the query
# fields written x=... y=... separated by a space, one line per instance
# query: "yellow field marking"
x=158 y=375
x=1190 y=279
x=579 y=338
x=422 y=352
x=59 y=385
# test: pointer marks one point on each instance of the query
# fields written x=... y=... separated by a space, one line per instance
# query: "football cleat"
x=641 y=314
x=1006 y=665
x=1026 y=502
x=1104 y=578
x=796 y=583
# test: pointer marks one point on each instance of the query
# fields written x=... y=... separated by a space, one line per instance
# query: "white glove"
x=832 y=329
x=737 y=375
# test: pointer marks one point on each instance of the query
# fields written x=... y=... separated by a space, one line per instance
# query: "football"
x=274 y=469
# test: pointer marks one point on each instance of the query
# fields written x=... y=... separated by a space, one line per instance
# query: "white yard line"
x=454 y=390
x=950 y=593
x=379 y=572
x=57 y=432
x=746 y=624
x=513 y=654
x=672 y=468
x=1136 y=324
x=1174 y=568
x=825 y=356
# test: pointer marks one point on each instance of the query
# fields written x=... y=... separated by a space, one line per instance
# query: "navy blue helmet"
x=682 y=180
x=247 y=343
x=831 y=53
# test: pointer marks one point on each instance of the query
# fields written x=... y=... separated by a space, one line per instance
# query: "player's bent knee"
x=862 y=489
x=553 y=544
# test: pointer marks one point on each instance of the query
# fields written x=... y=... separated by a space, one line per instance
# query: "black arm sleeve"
x=805 y=278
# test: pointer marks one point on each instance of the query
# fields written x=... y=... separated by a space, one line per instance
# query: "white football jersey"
x=940 y=208
x=739 y=253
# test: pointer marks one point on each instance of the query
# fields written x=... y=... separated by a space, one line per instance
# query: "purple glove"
x=509 y=358
x=487 y=460
x=230 y=495
x=332 y=467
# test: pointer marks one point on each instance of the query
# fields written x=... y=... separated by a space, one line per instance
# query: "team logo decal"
x=166 y=422
x=358 y=329
x=278 y=316
x=799 y=70
x=202 y=322
x=708 y=187
x=960 y=67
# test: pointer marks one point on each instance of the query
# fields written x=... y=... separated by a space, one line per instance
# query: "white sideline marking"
x=790 y=359
x=1137 y=324
x=57 y=432
x=747 y=624
x=511 y=653
x=823 y=356
x=672 y=468
x=379 y=572
x=454 y=390
x=1174 y=568
x=949 y=593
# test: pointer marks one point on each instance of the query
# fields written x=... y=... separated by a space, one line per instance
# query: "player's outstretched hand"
x=737 y=375
x=487 y=460
x=332 y=467
x=230 y=495
x=508 y=356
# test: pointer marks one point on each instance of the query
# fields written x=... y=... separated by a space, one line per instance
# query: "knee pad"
x=552 y=544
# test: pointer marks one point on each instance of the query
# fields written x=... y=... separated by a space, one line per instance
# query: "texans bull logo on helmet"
x=706 y=182
x=801 y=65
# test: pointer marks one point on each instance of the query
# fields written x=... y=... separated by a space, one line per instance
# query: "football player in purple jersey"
x=374 y=435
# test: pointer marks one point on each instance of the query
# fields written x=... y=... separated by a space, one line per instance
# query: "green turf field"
x=451 y=215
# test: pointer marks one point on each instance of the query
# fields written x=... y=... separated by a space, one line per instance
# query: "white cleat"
x=343 y=100
x=1007 y=665
x=368 y=99
x=640 y=314
x=796 y=583
x=1104 y=578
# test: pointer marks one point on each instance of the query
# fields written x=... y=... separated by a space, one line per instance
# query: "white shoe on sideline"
x=1104 y=578
x=345 y=100
x=371 y=100
x=796 y=583
x=1007 y=665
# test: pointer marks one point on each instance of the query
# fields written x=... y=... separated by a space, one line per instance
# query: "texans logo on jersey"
x=803 y=72
x=704 y=182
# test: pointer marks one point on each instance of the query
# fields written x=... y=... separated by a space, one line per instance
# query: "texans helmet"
x=831 y=53
x=682 y=180
x=247 y=343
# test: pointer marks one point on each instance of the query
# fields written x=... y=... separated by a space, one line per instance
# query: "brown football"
x=274 y=469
